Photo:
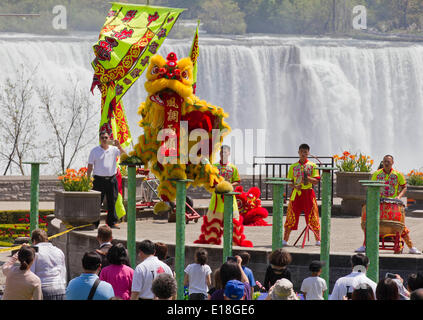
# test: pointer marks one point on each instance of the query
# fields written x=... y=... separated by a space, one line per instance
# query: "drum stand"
x=392 y=242
x=398 y=243
x=306 y=232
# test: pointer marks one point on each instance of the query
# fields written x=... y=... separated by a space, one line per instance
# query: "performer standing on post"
x=212 y=228
x=303 y=198
x=226 y=169
x=102 y=163
x=395 y=188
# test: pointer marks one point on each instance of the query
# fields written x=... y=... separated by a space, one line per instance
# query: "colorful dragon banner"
x=129 y=37
x=195 y=50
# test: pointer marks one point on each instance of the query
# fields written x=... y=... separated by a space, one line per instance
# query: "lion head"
x=170 y=74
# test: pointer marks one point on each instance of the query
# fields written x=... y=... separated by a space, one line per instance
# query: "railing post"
x=35 y=192
x=326 y=212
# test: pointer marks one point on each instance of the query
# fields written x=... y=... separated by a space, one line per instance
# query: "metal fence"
x=265 y=167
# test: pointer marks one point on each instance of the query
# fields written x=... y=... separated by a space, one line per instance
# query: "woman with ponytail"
x=21 y=282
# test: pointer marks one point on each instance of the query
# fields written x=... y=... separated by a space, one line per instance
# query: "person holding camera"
x=50 y=266
x=21 y=282
x=345 y=286
x=232 y=270
x=102 y=164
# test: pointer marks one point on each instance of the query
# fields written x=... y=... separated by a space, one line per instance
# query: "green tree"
x=389 y=15
x=17 y=123
x=222 y=17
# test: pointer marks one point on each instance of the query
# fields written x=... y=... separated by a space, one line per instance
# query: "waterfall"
x=334 y=94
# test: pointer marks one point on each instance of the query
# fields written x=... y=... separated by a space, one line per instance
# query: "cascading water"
x=334 y=94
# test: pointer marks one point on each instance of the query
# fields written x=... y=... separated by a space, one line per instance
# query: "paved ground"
x=346 y=234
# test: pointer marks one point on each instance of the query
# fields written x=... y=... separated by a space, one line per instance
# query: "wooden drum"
x=392 y=216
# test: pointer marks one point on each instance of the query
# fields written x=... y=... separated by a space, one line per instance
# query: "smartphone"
x=233 y=259
x=390 y=275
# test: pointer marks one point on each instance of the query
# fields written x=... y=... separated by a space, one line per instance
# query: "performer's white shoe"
x=317 y=243
x=361 y=249
x=414 y=250
x=284 y=243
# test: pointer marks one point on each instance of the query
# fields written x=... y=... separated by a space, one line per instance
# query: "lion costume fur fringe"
x=153 y=119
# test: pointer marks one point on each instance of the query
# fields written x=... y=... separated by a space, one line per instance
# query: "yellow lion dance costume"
x=170 y=114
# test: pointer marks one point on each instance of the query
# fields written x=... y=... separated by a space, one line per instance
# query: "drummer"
x=395 y=189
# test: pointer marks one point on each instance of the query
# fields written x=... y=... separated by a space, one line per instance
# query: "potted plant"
x=77 y=204
x=351 y=169
x=415 y=189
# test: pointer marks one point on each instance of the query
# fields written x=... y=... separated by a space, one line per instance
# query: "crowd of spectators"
x=38 y=272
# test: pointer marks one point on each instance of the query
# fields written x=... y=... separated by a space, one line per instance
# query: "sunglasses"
x=104 y=138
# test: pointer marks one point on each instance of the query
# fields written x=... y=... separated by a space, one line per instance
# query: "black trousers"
x=108 y=187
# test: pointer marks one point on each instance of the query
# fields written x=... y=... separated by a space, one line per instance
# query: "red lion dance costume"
x=249 y=205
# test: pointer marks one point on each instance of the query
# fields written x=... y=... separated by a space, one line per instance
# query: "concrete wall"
x=18 y=188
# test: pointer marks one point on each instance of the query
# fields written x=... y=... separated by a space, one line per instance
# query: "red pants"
x=306 y=202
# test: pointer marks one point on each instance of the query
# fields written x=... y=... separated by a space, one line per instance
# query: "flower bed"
x=16 y=224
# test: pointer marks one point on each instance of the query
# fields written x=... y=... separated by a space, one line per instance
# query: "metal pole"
x=277 y=217
x=131 y=217
x=35 y=191
x=180 y=236
x=326 y=211
x=367 y=196
x=228 y=210
x=277 y=213
x=372 y=229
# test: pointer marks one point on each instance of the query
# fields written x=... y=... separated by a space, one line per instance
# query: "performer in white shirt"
x=102 y=164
